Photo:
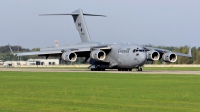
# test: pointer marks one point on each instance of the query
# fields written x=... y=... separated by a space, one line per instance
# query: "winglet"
x=11 y=50
x=190 y=52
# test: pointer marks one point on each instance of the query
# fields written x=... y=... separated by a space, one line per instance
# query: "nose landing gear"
x=139 y=68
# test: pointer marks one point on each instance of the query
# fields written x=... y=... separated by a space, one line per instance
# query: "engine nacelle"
x=98 y=55
x=169 y=57
x=153 y=55
x=69 y=56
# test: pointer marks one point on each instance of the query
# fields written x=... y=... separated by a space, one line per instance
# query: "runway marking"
x=107 y=71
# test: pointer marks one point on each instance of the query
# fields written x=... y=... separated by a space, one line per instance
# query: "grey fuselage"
x=121 y=55
x=126 y=56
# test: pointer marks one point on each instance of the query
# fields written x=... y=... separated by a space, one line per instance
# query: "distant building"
x=1 y=62
x=43 y=62
x=32 y=62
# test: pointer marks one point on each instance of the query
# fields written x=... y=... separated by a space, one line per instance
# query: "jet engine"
x=98 y=55
x=69 y=56
x=169 y=57
x=153 y=55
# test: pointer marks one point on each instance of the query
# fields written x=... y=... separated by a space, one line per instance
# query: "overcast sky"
x=156 y=22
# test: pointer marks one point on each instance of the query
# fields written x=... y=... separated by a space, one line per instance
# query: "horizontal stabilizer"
x=72 y=14
x=93 y=15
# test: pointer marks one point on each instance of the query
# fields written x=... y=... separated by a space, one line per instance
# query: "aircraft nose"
x=143 y=57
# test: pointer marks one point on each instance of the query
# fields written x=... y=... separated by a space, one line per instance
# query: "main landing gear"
x=97 y=69
x=124 y=69
x=129 y=69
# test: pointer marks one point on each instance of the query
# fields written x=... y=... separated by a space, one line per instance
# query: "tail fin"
x=80 y=23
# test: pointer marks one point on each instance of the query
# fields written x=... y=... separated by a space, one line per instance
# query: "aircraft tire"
x=139 y=69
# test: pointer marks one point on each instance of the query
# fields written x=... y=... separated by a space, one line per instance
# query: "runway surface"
x=107 y=71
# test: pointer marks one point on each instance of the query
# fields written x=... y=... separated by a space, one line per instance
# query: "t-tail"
x=80 y=23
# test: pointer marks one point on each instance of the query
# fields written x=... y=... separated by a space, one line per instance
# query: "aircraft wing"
x=162 y=51
x=35 y=52
x=38 y=53
x=80 y=51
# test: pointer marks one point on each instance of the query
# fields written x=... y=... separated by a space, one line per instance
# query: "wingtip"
x=11 y=50
x=190 y=51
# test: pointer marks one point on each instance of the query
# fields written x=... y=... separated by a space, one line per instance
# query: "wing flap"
x=38 y=53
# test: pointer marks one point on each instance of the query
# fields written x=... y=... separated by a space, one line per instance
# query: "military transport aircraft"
x=122 y=56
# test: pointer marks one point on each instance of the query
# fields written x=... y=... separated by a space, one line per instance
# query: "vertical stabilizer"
x=80 y=24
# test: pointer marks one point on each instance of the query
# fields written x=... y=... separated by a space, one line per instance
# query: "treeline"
x=5 y=54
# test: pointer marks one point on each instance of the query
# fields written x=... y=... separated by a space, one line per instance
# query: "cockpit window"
x=138 y=50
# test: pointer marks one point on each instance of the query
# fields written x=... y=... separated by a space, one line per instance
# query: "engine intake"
x=69 y=56
x=169 y=57
x=153 y=55
x=98 y=55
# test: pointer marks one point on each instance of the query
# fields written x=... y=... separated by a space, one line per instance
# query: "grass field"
x=97 y=92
